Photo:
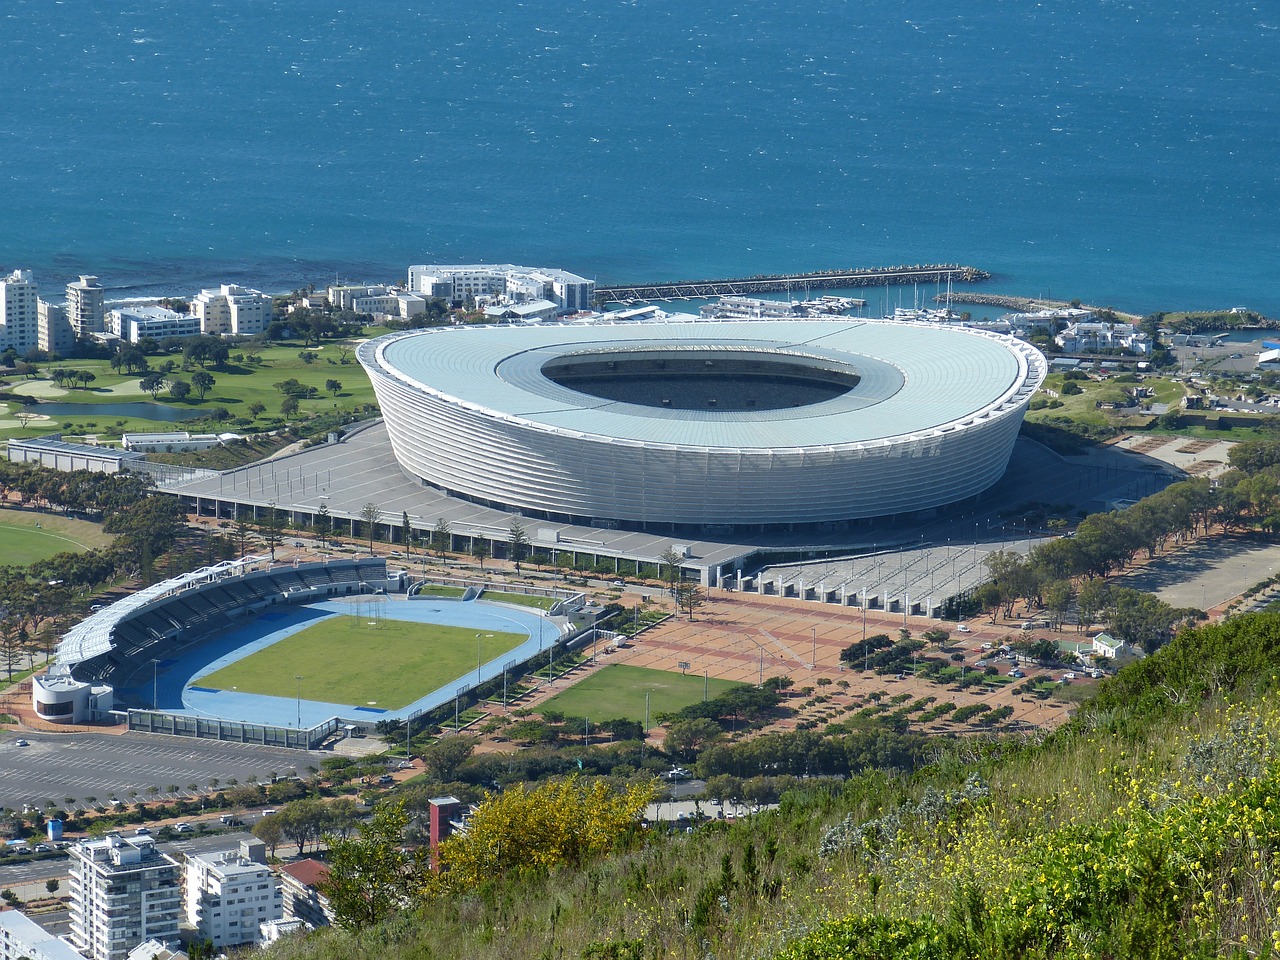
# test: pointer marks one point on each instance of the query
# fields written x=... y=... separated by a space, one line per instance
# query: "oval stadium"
x=750 y=425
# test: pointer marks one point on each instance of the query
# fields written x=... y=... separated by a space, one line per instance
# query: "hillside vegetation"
x=1146 y=827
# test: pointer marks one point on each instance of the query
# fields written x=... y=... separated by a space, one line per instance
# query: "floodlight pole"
x=298 y=677
x=155 y=684
x=478 y=636
x=814 y=657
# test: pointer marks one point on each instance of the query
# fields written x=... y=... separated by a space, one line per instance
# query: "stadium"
x=286 y=654
x=722 y=426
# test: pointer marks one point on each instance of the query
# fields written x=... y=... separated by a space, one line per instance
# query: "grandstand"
x=157 y=621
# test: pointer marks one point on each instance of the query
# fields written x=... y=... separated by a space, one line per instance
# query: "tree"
x=179 y=389
x=440 y=538
x=270 y=831
x=686 y=737
x=406 y=530
x=373 y=875
x=333 y=386
x=202 y=381
x=371 y=515
x=271 y=524
x=85 y=378
x=152 y=383
x=323 y=524
x=671 y=562
x=257 y=409
x=689 y=597
x=52 y=885
x=480 y=549
x=556 y=823
x=443 y=757
x=288 y=407
x=517 y=543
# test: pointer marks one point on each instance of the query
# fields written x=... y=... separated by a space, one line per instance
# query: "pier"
x=1030 y=304
x=818 y=280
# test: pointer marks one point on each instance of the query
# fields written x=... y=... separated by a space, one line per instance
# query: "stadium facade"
x=708 y=425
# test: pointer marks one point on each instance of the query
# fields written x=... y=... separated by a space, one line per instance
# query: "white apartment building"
x=53 y=332
x=134 y=323
x=457 y=282
x=20 y=936
x=344 y=297
x=230 y=893
x=233 y=310
x=123 y=891
x=19 y=326
x=404 y=305
x=86 y=307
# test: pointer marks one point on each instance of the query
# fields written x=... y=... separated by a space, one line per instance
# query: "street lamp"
x=299 y=679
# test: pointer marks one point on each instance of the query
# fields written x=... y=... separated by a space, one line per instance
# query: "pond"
x=138 y=409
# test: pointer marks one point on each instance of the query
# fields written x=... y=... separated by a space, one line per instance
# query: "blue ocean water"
x=1122 y=152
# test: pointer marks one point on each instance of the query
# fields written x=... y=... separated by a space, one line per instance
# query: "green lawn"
x=236 y=387
x=520 y=599
x=618 y=692
x=347 y=660
x=28 y=537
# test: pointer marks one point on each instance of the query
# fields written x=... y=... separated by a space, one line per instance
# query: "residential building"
x=272 y=930
x=1088 y=337
x=344 y=297
x=230 y=893
x=19 y=326
x=134 y=323
x=54 y=333
x=403 y=305
x=300 y=883
x=20 y=936
x=233 y=310
x=123 y=892
x=459 y=282
x=86 y=307
x=155 y=950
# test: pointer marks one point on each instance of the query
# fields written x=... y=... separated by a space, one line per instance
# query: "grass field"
x=520 y=599
x=28 y=537
x=236 y=387
x=346 y=660
x=618 y=692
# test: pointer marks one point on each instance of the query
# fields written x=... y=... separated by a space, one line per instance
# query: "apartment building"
x=19 y=327
x=123 y=892
x=86 y=307
x=233 y=310
x=230 y=893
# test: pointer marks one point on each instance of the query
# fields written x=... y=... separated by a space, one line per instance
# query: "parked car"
x=141 y=832
x=962 y=628
x=21 y=743
x=184 y=828
x=1016 y=673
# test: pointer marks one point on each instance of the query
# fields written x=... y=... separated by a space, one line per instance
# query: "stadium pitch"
x=363 y=658
x=618 y=692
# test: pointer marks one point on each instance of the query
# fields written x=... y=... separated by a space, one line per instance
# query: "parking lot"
x=57 y=766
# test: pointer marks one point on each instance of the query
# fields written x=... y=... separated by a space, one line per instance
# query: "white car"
x=21 y=743
x=962 y=628
x=183 y=828
x=1068 y=675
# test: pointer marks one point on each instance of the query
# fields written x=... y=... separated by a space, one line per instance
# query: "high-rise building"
x=232 y=310
x=54 y=332
x=230 y=893
x=86 y=307
x=18 y=320
x=123 y=891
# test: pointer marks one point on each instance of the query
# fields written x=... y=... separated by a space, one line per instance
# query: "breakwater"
x=1029 y=304
x=775 y=283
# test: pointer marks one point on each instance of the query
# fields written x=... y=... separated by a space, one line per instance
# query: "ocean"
x=1124 y=153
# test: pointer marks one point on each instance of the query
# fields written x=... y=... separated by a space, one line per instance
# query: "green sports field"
x=346 y=659
x=28 y=537
x=618 y=692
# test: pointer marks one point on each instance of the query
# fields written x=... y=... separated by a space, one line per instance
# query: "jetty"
x=1030 y=304
x=774 y=283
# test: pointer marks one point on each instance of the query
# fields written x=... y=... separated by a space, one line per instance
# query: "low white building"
x=20 y=936
x=231 y=309
x=392 y=304
x=231 y=893
x=1090 y=336
x=134 y=323
x=174 y=442
x=58 y=697
x=458 y=282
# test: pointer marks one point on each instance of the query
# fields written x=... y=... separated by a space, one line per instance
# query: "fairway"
x=345 y=659
x=29 y=537
x=618 y=692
